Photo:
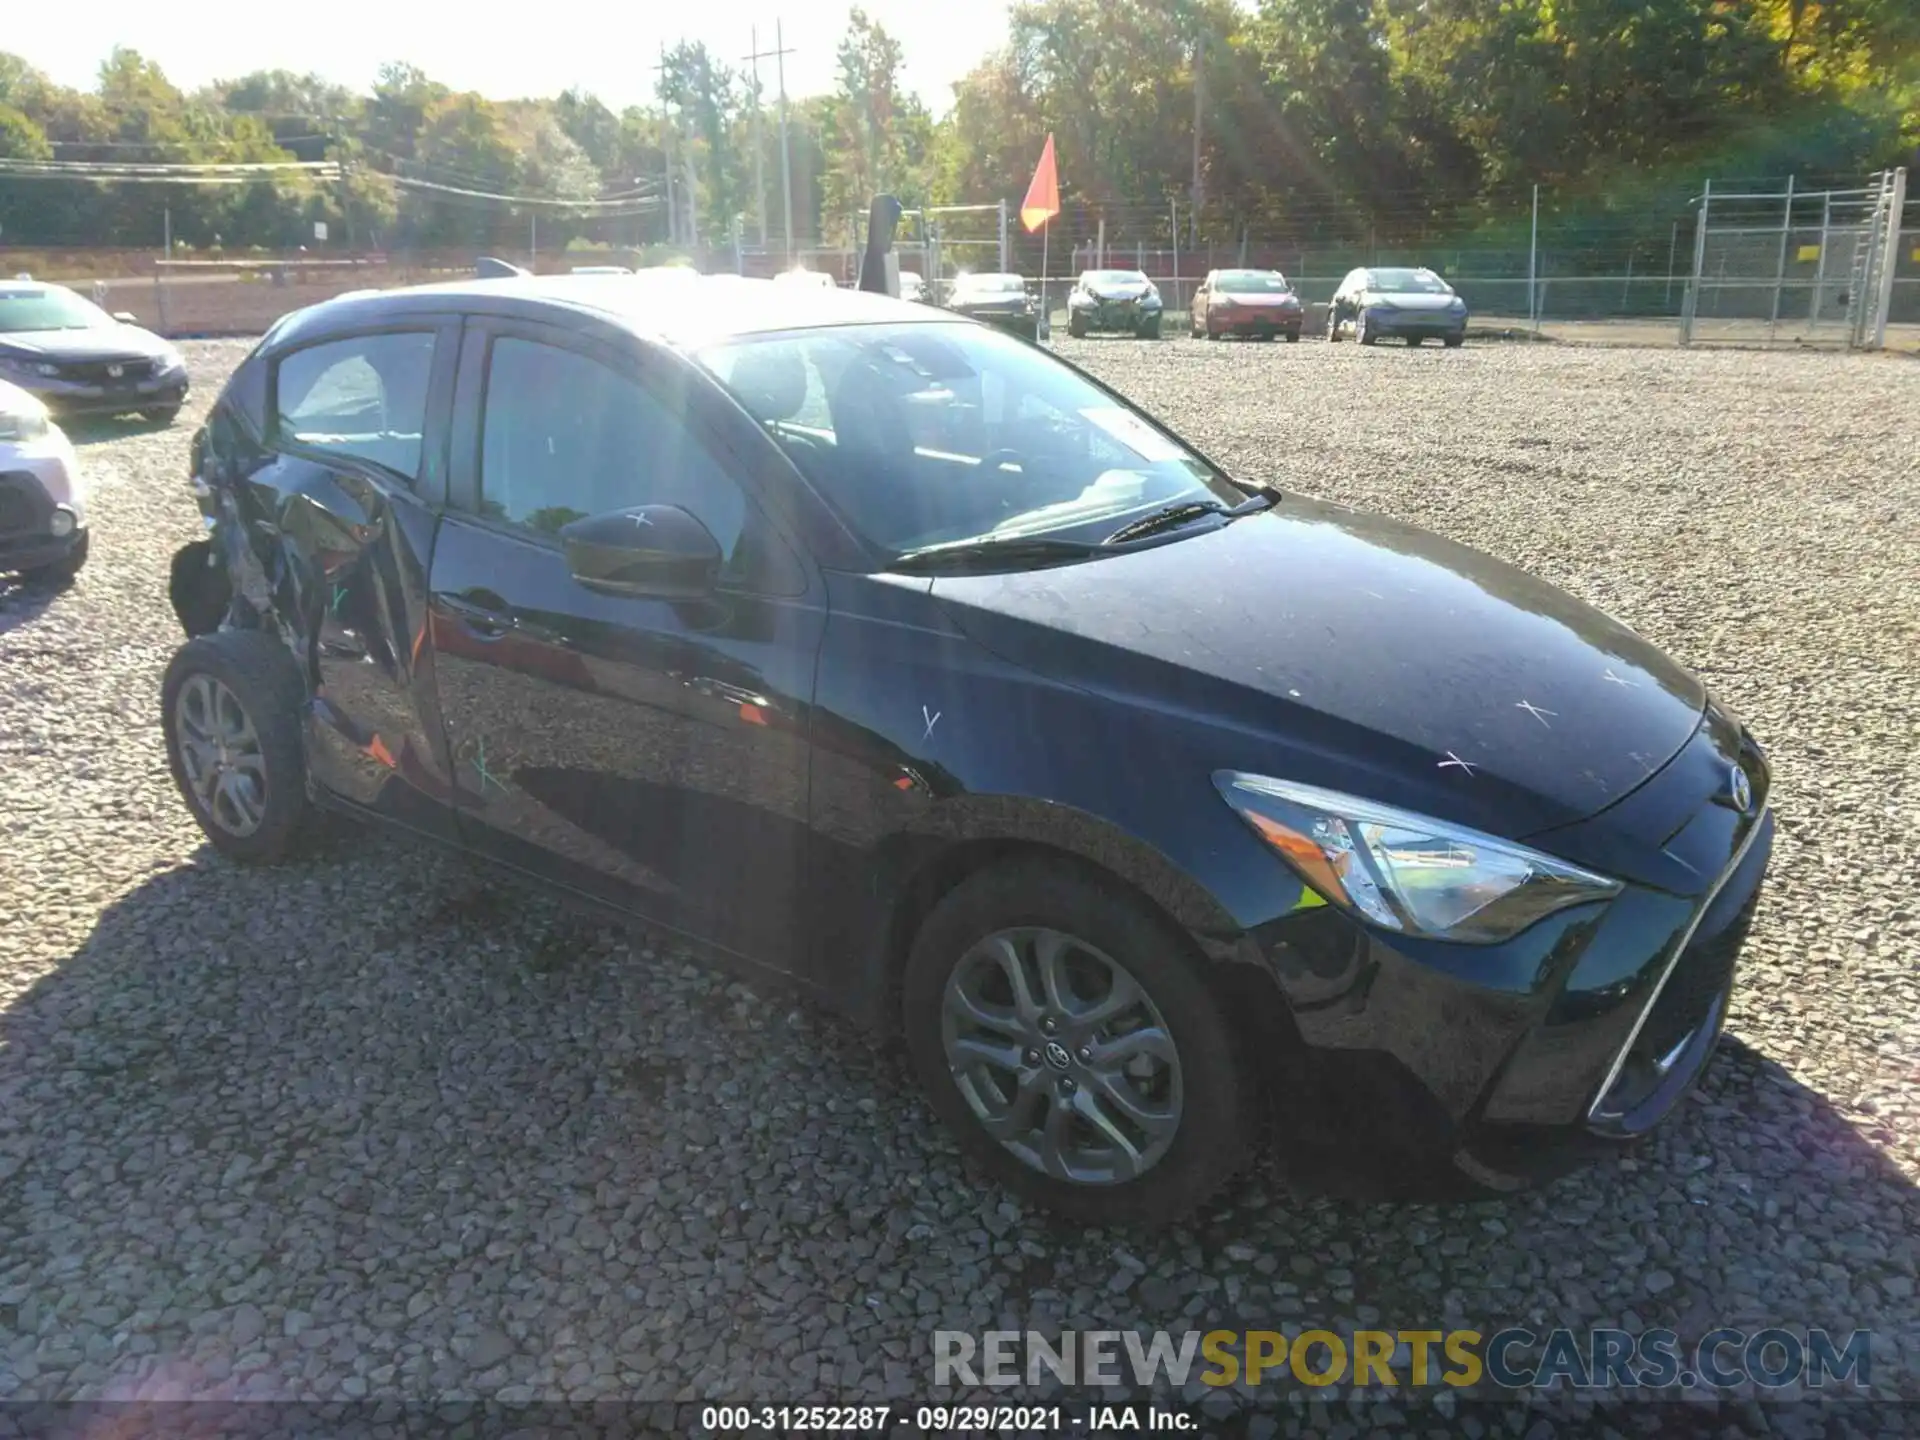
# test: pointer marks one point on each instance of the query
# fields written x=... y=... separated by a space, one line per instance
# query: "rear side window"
x=364 y=397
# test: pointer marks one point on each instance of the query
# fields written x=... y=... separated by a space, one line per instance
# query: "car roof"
x=714 y=308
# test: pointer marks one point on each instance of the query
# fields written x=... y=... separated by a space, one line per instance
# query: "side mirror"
x=126 y=317
x=658 y=552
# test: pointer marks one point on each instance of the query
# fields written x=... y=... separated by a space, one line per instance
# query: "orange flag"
x=1043 y=195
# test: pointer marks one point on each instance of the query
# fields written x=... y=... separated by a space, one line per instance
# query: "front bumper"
x=1020 y=322
x=106 y=397
x=1508 y=1064
x=38 y=479
x=1115 y=314
x=1252 y=321
x=1428 y=324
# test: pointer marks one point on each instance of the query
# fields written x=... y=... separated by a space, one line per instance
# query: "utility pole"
x=666 y=148
x=1199 y=91
x=781 y=52
x=759 y=146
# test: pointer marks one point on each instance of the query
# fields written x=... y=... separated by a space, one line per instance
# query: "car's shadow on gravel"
x=372 y=1116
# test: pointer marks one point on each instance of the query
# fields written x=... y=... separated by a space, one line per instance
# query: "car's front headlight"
x=1457 y=303
x=16 y=365
x=23 y=420
x=170 y=359
x=1408 y=872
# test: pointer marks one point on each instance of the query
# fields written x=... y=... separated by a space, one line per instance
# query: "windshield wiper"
x=1180 y=514
x=1007 y=553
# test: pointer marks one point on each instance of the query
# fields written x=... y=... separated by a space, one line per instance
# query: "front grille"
x=24 y=507
x=99 y=372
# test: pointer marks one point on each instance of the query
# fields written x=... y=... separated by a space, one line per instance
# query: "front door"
x=653 y=753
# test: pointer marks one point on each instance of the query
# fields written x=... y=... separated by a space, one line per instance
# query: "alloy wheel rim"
x=1062 y=1056
x=221 y=756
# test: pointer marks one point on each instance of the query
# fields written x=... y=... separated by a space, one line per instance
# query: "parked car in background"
x=1259 y=303
x=850 y=641
x=997 y=299
x=80 y=360
x=1114 y=300
x=1412 y=304
x=913 y=288
x=43 y=511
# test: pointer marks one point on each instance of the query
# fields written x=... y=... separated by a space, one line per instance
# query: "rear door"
x=650 y=753
x=341 y=514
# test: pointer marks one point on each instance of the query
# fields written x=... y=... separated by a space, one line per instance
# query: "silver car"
x=1413 y=304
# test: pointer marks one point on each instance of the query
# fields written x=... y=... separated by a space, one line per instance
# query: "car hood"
x=96 y=342
x=1253 y=298
x=1117 y=292
x=1355 y=652
x=989 y=302
x=1415 y=300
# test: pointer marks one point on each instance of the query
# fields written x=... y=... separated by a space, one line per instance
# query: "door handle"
x=488 y=621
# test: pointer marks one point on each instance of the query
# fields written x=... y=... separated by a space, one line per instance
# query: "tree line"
x=1300 y=117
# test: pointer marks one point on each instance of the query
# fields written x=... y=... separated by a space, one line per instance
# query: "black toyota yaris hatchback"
x=858 y=643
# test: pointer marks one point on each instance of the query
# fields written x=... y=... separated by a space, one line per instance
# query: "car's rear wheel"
x=1065 y=1035
x=1293 y=337
x=1333 y=326
x=230 y=711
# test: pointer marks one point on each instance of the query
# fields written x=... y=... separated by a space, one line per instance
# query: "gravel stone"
x=483 y=1148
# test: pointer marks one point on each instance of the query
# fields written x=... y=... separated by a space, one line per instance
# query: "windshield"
x=48 y=308
x=1251 y=282
x=1410 y=282
x=991 y=284
x=936 y=434
x=1114 y=277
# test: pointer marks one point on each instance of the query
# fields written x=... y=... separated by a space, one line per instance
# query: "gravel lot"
x=370 y=1126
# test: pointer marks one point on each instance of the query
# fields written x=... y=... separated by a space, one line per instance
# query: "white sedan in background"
x=43 y=508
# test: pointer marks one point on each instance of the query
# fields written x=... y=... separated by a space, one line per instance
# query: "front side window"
x=928 y=434
x=566 y=437
x=363 y=397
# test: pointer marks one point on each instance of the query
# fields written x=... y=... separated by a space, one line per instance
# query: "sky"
x=607 y=51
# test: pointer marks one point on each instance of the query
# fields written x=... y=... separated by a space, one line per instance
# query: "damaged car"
x=852 y=644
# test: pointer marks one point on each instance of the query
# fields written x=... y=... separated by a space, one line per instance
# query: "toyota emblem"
x=1739 y=790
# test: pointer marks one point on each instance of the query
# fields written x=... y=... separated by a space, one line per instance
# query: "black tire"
x=1333 y=326
x=1414 y=341
x=1150 y=330
x=1076 y=327
x=1293 y=337
x=1361 y=334
x=261 y=676
x=1454 y=342
x=1210 y=1141
x=161 y=415
x=60 y=573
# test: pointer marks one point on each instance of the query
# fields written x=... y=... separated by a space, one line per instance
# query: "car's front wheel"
x=1076 y=327
x=1333 y=326
x=1065 y=1035
x=161 y=415
x=1150 y=330
x=62 y=572
x=230 y=710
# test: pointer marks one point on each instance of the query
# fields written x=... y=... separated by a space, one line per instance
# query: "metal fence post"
x=1780 y=270
x=1690 y=302
x=1173 y=224
x=1890 y=258
x=1004 y=265
x=1820 y=269
x=1533 y=266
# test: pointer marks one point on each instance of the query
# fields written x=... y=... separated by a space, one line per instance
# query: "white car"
x=800 y=275
x=912 y=287
x=43 y=506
